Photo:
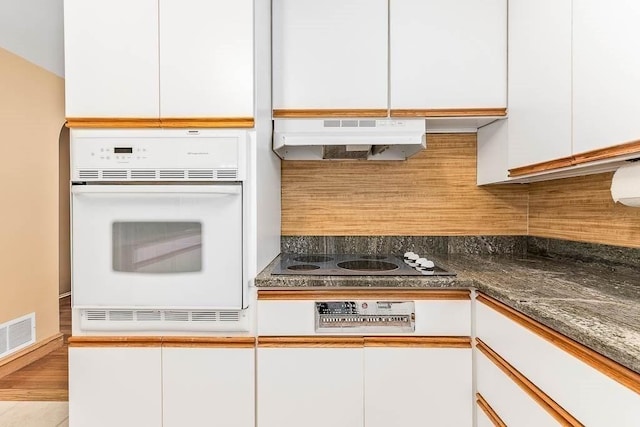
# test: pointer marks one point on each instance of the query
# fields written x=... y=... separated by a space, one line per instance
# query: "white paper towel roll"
x=625 y=185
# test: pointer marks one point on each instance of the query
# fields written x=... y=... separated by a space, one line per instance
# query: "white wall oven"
x=157 y=229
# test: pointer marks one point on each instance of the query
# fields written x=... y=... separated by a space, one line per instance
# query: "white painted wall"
x=32 y=29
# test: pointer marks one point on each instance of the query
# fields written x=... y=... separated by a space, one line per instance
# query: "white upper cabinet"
x=154 y=59
x=448 y=54
x=572 y=88
x=539 y=81
x=206 y=58
x=397 y=54
x=606 y=82
x=111 y=58
x=330 y=54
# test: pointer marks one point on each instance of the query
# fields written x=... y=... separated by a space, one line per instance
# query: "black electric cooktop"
x=351 y=265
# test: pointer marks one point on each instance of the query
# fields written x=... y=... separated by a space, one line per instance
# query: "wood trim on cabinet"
x=162 y=341
x=209 y=342
x=489 y=412
x=28 y=355
x=449 y=112
x=119 y=341
x=579 y=159
x=549 y=405
x=197 y=122
x=311 y=341
x=541 y=167
x=113 y=122
x=606 y=153
x=420 y=342
x=328 y=113
x=390 y=293
x=608 y=367
x=208 y=122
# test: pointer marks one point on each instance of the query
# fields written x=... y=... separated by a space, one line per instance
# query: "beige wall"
x=31 y=116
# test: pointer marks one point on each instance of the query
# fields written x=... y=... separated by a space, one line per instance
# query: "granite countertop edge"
x=600 y=344
x=548 y=307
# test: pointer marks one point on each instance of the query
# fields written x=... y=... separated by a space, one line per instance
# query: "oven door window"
x=157 y=247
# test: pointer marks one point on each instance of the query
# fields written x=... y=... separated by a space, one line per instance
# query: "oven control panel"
x=365 y=316
x=166 y=155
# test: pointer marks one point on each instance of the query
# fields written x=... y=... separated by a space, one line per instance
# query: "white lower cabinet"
x=358 y=379
x=311 y=387
x=507 y=399
x=208 y=385
x=118 y=386
x=161 y=387
x=483 y=420
x=584 y=392
x=370 y=386
x=407 y=386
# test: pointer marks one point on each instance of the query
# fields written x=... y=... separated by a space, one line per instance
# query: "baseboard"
x=30 y=354
x=64 y=295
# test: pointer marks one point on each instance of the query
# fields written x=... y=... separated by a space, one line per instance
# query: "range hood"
x=339 y=139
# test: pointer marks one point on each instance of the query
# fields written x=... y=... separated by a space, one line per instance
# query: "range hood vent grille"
x=350 y=123
x=348 y=139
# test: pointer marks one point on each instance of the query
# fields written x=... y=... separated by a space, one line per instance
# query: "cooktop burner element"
x=367 y=265
x=303 y=267
x=354 y=265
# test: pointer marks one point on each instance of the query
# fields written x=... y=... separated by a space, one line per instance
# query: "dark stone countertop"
x=597 y=305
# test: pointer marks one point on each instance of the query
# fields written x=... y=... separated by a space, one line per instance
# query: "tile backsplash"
x=495 y=245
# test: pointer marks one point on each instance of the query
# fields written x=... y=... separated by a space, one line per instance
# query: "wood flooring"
x=46 y=379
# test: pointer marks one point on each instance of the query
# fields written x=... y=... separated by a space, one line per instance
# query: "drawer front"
x=508 y=400
x=589 y=395
x=433 y=318
x=483 y=420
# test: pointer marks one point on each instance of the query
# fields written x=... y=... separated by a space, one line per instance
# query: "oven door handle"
x=156 y=189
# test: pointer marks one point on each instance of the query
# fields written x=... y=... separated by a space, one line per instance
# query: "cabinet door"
x=605 y=73
x=509 y=401
x=311 y=387
x=539 y=81
x=330 y=54
x=206 y=58
x=208 y=384
x=115 y=387
x=448 y=54
x=482 y=420
x=587 y=394
x=492 y=147
x=406 y=385
x=111 y=58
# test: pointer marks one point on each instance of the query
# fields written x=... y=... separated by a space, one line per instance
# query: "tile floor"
x=34 y=414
